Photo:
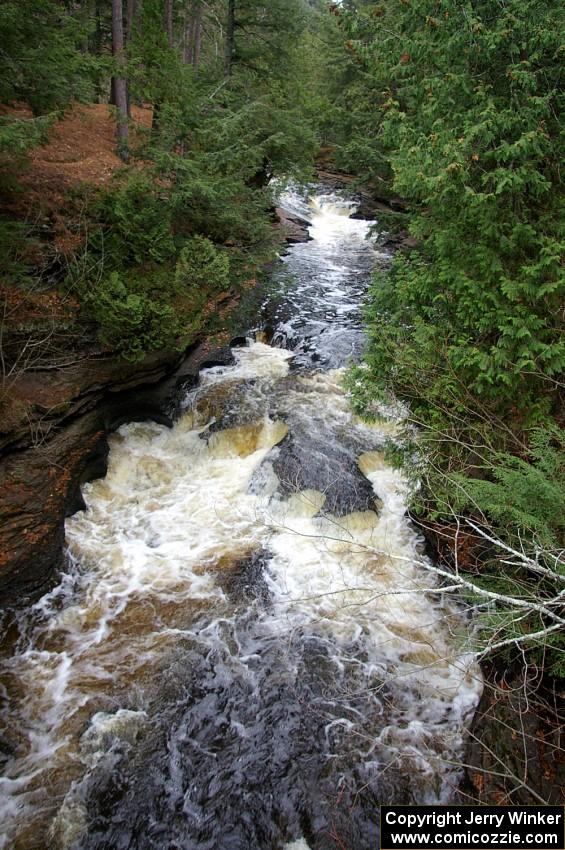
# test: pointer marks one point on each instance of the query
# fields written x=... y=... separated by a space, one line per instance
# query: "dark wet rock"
x=369 y=200
x=247 y=753
x=184 y=384
x=335 y=181
x=309 y=461
x=293 y=226
x=401 y=241
x=60 y=443
x=229 y=406
x=372 y=203
x=75 y=502
x=369 y=205
x=246 y=581
x=218 y=357
x=264 y=334
x=96 y=462
x=139 y=413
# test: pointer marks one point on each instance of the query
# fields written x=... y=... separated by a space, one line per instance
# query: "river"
x=244 y=653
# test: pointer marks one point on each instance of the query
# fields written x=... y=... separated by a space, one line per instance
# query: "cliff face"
x=54 y=424
x=61 y=441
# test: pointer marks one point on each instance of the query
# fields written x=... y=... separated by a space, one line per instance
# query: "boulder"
x=294 y=227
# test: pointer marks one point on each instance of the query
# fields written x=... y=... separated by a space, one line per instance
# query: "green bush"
x=131 y=322
x=201 y=266
x=158 y=306
x=136 y=223
x=523 y=497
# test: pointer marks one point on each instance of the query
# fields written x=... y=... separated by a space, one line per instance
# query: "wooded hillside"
x=139 y=140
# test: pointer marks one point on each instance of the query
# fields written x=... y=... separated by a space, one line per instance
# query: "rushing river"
x=244 y=653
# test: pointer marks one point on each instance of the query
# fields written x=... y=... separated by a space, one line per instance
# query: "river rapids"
x=245 y=652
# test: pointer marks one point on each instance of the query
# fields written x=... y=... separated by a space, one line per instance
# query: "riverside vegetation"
x=192 y=206
x=460 y=109
x=456 y=108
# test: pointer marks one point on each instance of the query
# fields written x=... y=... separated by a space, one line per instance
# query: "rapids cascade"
x=244 y=651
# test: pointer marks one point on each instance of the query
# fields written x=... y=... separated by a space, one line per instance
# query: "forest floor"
x=42 y=341
x=80 y=149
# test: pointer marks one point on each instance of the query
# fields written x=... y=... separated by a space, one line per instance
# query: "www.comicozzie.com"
x=472 y=827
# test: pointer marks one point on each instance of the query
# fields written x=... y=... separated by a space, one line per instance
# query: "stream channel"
x=244 y=653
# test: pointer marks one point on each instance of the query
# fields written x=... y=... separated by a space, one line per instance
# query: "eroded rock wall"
x=60 y=441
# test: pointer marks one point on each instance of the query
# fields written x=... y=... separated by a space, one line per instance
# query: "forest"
x=143 y=144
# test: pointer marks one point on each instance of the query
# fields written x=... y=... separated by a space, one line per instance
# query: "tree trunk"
x=187 y=37
x=230 y=38
x=131 y=12
x=119 y=81
x=192 y=40
x=197 y=36
x=169 y=21
x=98 y=36
x=132 y=7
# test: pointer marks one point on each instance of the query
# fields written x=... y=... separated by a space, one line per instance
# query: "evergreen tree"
x=466 y=113
x=119 y=81
x=42 y=61
x=468 y=100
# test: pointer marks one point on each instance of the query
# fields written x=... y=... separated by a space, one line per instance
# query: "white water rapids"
x=244 y=652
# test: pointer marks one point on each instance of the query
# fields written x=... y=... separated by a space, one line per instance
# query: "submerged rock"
x=307 y=461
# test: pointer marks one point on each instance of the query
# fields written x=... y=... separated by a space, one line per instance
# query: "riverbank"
x=514 y=753
x=113 y=392
x=54 y=437
x=104 y=299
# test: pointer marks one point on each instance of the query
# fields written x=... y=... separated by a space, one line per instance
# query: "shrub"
x=201 y=266
x=136 y=223
x=131 y=322
x=522 y=497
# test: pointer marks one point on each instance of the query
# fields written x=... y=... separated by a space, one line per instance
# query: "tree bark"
x=197 y=37
x=132 y=8
x=119 y=80
x=193 y=35
x=230 y=38
x=131 y=12
x=169 y=22
x=187 y=36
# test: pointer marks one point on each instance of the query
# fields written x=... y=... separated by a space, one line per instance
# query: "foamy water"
x=246 y=634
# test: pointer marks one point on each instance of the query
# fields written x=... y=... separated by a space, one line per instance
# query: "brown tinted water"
x=245 y=651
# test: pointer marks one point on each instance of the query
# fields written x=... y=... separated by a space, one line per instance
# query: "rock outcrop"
x=294 y=229
x=370 y=199
x=60 y=441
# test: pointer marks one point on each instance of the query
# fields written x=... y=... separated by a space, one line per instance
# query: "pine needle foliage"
x=470 y=121
x=41 y=61
x=468 y=327
x=522 y=495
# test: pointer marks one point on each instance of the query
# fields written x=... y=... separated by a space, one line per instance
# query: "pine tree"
x=119 y=80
